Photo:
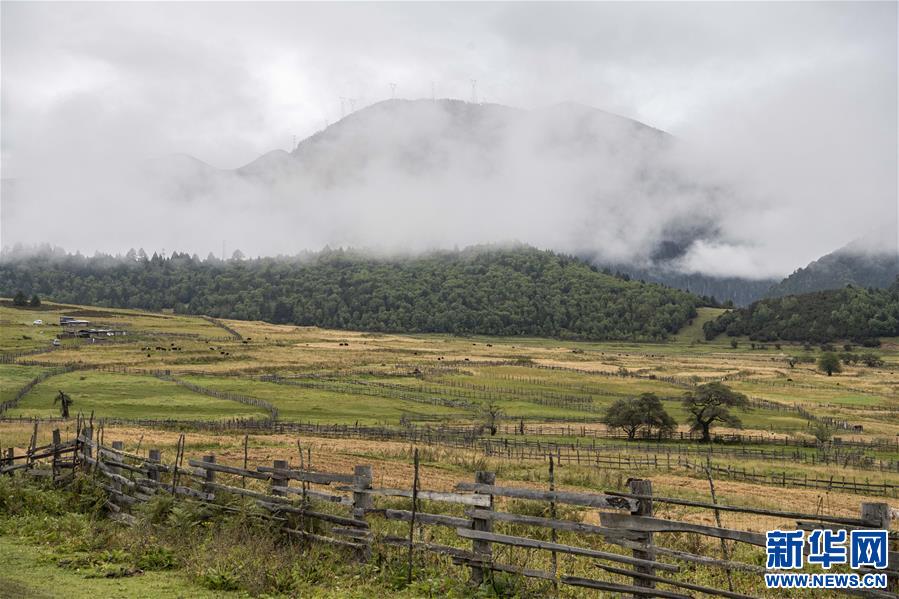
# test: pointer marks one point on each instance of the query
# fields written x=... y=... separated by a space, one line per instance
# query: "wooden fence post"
x=86 y=448
x=32 y=445
x=279 y=480
x=10 y=458
x=155 y=456
x=878 y=515
x=644 y=508
x=482 y=548
x=210 y=474
x=362 y=502
x=57 y=441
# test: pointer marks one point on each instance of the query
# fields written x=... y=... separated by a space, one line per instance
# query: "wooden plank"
x=312 y=514
x=676 y=583
x=744 y=510
x=473 y=500
x=314 y=494
x=535 y=544
x=424 y=518
x=228 y=469
x=432 y=547
x=123 y=465
x=355 y=533
x=21 y=466
x=105 y=471
x=545 y=522
x=689 y=557
x=119 y=495
x=320 y=478
x=179 y=490
x=620 y=588
x=530 y=573
x=247 y=493
x=646 y=524
x=587 y=499
x=119 y=452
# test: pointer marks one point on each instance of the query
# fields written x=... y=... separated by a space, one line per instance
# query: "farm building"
x=68 y=321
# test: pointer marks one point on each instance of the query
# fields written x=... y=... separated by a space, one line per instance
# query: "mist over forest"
x=718 y=168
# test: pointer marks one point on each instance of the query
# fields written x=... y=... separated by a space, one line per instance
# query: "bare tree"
x=64 y=402
x=492 y=414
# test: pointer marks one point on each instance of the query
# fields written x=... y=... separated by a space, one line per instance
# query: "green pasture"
x=804 y=395
x=128 y=396
x=13 y=377
x=317 y=405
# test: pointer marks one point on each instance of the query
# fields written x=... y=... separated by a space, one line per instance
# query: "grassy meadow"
x=558 y=389
x=345 y=377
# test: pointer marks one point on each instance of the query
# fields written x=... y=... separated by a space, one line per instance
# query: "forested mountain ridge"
x=853 y=313
x=871 y=260
x=839 y=269
x=482 y=290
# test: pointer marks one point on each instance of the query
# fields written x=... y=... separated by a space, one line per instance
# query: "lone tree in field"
x=64 y=402
x=633 y=413
x=822 y=432
x=829 y=362
x=711 y=403
x=35 y=301
x=492 y=414
x=19 y=299
x=624 y=414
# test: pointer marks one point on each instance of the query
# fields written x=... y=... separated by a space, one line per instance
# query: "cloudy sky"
x=793 y=103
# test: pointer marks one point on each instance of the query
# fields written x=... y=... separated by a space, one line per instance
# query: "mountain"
x=868 y=262
x=497 y=163
x=417 y=175
x=568 y=176
x=484 y=290
x=853 y=313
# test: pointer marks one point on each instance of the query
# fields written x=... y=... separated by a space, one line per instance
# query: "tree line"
x=855 y=313
x=482 y=290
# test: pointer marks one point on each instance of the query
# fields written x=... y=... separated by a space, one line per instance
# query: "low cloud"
x=782 y=118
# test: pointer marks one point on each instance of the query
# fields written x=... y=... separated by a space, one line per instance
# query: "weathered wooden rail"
x=628 y=549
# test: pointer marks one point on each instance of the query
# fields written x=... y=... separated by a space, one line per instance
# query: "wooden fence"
x=618 y=457
x=479 y=525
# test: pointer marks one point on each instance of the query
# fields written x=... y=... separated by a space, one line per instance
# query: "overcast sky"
x=796 y=102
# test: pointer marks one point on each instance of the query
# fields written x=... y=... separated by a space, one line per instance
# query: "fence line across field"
x=344 y=508
x=586 y=456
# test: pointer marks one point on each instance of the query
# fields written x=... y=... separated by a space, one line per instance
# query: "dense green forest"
x=486 y=290
x=853 y=313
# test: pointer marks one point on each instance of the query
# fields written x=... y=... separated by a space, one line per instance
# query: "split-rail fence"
x=628 y=549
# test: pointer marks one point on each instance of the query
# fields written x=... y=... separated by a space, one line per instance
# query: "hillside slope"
x=520 y=291
x=869 y=262
x=852 y=313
